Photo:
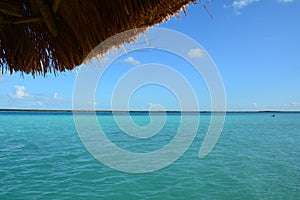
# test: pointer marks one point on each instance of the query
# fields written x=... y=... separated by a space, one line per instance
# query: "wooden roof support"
x=47 y=15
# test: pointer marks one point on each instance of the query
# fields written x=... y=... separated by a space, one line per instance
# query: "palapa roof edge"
x=49 y=36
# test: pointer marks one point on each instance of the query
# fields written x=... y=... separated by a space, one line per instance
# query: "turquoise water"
x=256 y=157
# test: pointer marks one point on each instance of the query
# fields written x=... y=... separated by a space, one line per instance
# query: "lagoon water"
x=256 y=157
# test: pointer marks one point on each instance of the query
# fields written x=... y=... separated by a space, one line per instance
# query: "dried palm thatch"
x=42 y=36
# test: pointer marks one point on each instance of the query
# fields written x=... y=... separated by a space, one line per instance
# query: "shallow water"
x=256 y=157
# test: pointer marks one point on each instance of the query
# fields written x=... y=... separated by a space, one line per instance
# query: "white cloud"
x=285 y=1
x=92 y=103
x=19 y=92
x=40 y=104
x=131 y=60
x=242 y=3
x=254 y=104
x=155 y=107
x=196 y=53
x=56 y=96
x=21 y=99
x=239 y=4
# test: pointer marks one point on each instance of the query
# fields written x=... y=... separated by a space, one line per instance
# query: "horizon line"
x=144 y=111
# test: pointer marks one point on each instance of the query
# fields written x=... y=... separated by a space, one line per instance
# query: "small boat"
x=273 y=115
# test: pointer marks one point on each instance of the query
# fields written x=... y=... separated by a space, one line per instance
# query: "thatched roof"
x=42 y=36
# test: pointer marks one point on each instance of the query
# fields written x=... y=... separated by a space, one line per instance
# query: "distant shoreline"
x=136 y=111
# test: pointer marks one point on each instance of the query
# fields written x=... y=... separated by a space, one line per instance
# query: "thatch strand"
x=9 y=8
x=56 y=5
x=21 y=20
x=47 y=16
x=42 y=36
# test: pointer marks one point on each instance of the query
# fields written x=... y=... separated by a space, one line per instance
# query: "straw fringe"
x=50 y=36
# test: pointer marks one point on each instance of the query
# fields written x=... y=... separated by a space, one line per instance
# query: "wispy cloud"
x=56 y=96
x=295 y=104
x=240 y=4
x=131 y=60
x=285 y=1
x=92 y=103
x=21 y=98
x=196 y=53
x=237 y=5
x=155 y=107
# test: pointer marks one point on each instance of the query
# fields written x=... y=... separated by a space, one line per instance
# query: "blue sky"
x=254 y=44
